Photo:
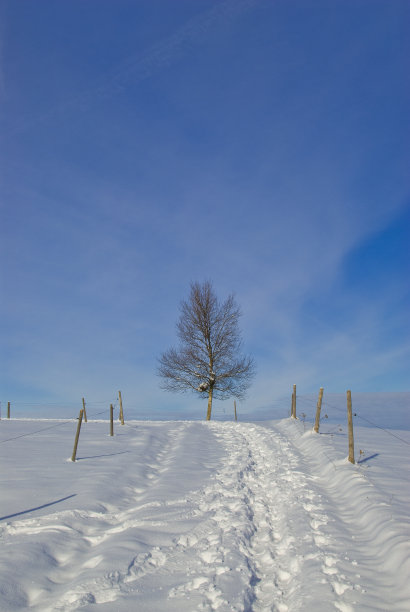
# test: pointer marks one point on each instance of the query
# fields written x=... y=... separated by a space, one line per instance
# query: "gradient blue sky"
x=262 y=144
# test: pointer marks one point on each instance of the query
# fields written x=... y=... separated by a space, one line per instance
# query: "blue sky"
x=261 y=144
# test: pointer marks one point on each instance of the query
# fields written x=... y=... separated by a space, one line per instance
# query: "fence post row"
x=318 y=409
x=77 y=435
x=350 y=426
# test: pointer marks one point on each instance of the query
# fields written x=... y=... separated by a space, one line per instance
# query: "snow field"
x=185 y=516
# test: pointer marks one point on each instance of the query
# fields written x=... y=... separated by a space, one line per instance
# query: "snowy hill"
x=220 y=516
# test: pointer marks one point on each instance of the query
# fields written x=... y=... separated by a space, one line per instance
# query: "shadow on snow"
x=3 y=518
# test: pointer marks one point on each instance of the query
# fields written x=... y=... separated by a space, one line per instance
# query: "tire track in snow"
x=267 y=526
x=75 y=542
x=138 y=517
x=253 y=537
x=375 y=564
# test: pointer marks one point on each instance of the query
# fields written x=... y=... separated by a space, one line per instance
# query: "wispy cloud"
x=138 y=67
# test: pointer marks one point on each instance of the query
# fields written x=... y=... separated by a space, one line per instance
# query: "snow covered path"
x=184 y=516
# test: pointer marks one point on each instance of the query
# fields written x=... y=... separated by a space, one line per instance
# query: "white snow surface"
x=187 y=515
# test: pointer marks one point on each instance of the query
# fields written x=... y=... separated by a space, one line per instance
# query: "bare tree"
x=207 y=359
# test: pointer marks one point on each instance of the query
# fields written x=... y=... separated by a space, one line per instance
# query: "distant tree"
x=208 y=359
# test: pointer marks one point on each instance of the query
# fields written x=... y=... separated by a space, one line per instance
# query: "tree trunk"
x=208 y=414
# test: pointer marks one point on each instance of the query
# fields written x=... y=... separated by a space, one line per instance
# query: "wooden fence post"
x=121 y=415
x=8 y=410
x=350 y=426
x=77 y=435
x=234 y=408
x=111 y=420
x=85 y=413
x=293 y=415
x=318 y=409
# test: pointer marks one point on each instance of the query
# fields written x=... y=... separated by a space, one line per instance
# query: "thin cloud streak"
x=137 y=68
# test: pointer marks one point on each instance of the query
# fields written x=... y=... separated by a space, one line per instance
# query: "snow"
x=218 y=516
